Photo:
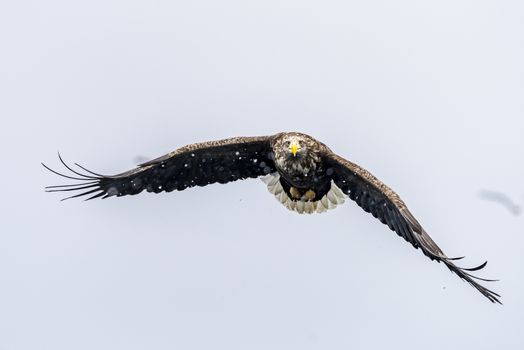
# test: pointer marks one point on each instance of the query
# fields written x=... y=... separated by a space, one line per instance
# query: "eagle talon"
x=310 y=195
x=295 y=193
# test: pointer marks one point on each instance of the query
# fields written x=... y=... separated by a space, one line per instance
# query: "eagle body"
x=301 y=172
x=302 y=181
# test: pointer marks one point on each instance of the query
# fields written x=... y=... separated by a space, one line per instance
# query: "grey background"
x=426 y=95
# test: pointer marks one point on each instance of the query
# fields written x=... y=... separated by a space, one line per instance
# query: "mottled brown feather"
x=207 y=144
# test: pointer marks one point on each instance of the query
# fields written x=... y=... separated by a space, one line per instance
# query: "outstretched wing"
x=198 y=164
x=384 y=204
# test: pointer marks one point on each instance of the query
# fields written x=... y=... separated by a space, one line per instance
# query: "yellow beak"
x=294 y=149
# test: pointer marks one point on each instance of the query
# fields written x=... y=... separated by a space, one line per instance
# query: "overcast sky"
x=429 y=97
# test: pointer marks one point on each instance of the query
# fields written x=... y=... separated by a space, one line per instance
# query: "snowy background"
x=427 y=96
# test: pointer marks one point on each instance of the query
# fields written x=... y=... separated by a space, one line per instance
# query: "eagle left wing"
x=384 y=204
x=199 y=164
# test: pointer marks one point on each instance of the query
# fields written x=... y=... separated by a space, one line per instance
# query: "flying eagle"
x=302 y=173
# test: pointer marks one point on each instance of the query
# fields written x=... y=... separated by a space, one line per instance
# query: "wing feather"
x=383 y=203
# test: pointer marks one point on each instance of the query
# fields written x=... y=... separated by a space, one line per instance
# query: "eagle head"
x=296 y=151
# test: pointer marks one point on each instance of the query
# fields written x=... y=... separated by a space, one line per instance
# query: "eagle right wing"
x=198 y=164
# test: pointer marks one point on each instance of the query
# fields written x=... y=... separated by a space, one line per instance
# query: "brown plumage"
x=303 y=173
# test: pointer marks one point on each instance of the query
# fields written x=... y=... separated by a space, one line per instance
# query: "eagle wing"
x=199 y=164
x=384 y=204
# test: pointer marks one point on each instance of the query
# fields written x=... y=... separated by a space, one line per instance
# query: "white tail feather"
x=334 y=197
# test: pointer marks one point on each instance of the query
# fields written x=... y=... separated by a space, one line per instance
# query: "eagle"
x=300 y=171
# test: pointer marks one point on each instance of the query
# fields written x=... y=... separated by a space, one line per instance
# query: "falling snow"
x=112 y=191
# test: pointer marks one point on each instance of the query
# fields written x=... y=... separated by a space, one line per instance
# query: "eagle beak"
x=294 y=149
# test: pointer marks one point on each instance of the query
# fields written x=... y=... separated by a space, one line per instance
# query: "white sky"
x=429 y=97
